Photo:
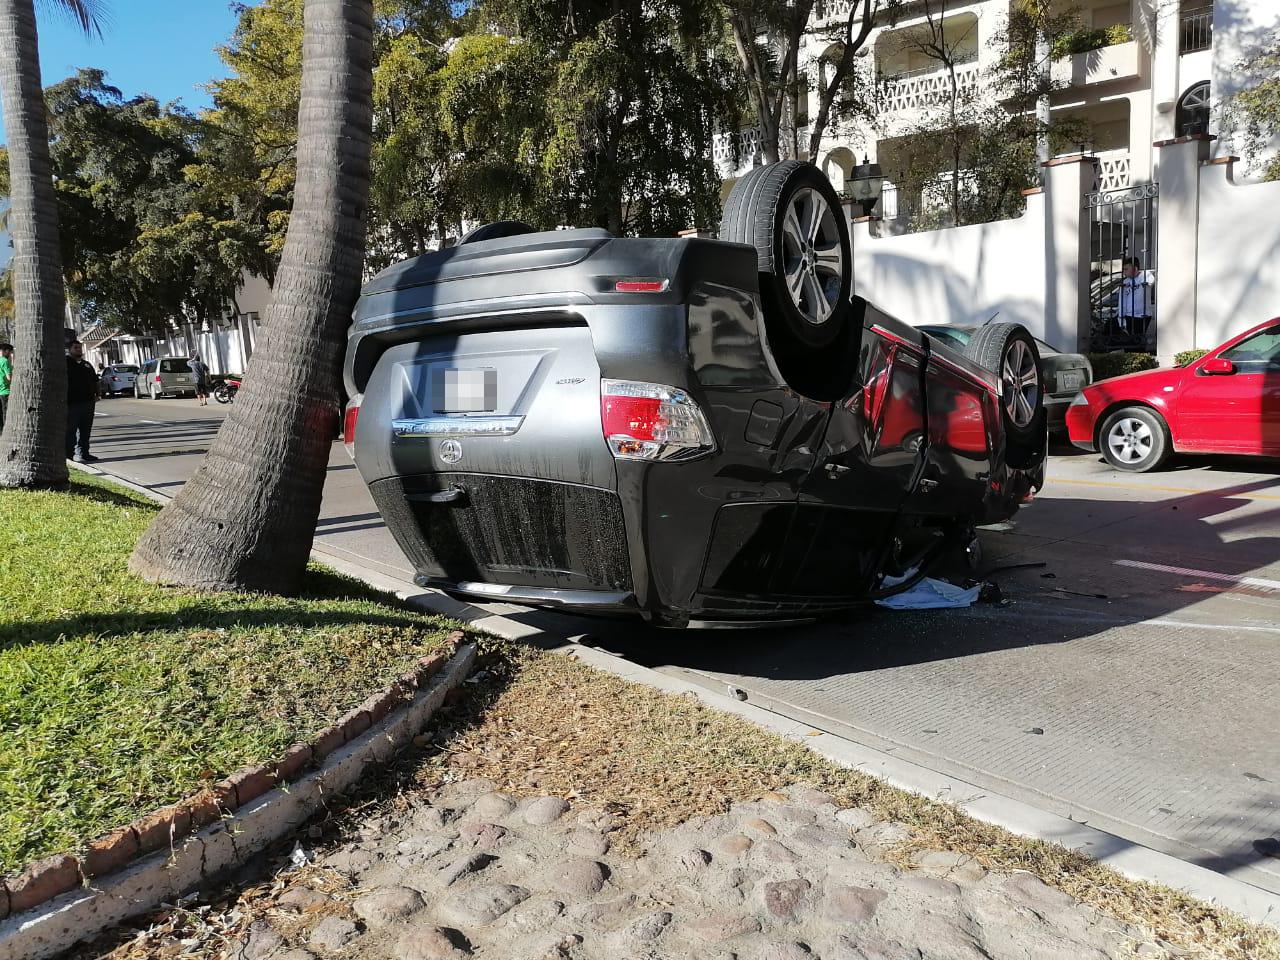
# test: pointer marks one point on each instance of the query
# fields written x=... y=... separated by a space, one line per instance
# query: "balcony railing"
x=1114 y=169
x=1195 y=30
x=748 y=148
x=962 y=60
x=923 y=89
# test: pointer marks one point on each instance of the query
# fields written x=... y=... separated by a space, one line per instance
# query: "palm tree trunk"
x=32 y=452
x=247 y=518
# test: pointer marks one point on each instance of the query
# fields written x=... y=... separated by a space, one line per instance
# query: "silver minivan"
x=163 y=377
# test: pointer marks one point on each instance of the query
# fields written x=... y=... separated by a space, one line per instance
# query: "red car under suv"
x=1228 y=401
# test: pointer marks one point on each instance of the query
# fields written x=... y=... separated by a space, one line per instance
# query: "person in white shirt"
x=1137 y=301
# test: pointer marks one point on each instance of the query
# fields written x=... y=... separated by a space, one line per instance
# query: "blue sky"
x=146 y=47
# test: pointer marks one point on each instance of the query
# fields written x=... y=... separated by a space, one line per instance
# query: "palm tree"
x=247 y=518
x=31 y=447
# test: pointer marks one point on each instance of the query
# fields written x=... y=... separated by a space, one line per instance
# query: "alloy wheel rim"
x=812 y=255
x=1021 y=384
x=1130 y=440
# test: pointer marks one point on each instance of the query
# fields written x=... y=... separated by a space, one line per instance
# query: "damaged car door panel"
x=613 y=425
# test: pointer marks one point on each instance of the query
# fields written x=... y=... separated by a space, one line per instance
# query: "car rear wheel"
x=791 y=214
x=1134 y=439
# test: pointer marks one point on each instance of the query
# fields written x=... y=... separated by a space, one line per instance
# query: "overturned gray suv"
x=692 y=431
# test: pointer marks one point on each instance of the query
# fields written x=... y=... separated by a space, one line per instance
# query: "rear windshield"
x=125 y=368
x=175 y=366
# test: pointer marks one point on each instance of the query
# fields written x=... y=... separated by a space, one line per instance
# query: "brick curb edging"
x=65 y=899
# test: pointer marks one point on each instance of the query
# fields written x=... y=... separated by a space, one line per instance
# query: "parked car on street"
x=118 y=378
x=694 y=431
x=1064 y=374
x=165 y=377
x=1227 y=401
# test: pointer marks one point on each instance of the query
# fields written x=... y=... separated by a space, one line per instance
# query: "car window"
x=1262 y=349
x=175 y=366
x=127 y=368
x=951 y=337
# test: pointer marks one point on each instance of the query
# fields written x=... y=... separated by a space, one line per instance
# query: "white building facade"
x=1156 y=85
x=1150 y=94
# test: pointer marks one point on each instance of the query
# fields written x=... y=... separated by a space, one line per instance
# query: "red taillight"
x=640 y=286
x=635 y=417
x=349 y=418
x=650 y=421
x=157 y=380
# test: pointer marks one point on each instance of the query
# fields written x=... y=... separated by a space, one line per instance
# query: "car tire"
x=496 y=231
x=1134 y=439
x=792 y=216
x=1009 y=351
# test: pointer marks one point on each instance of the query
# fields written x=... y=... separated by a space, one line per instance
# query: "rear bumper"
x=1081 y=426
x=1055 y=409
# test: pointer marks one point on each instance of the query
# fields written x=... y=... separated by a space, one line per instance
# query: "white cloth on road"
x=930 y=594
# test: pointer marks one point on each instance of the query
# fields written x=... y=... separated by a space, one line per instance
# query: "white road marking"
x=1204 y=574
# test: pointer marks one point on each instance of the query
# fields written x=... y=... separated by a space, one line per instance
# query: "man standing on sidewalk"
x=82 y=395
x=6 y=379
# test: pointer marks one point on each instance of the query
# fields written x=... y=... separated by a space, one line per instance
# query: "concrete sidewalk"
x=1128 y=691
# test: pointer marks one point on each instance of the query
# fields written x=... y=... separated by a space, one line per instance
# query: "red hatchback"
x=1228 y=401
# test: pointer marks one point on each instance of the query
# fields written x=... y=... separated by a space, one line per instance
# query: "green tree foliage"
x=249 y=153
x=507 y=109
x=1253 y=114
x=142 y=242
x=969 y=157
x=633 y=90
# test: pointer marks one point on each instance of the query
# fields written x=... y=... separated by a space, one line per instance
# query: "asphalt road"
x=1130 y=682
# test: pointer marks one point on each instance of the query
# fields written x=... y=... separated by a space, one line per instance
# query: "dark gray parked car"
x=689 y=430
x=1064 y=374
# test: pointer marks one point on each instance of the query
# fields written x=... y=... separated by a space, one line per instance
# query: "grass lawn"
x=117 y=696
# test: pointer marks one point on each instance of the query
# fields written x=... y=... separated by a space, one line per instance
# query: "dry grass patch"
x=548 y=724
x=536 y=723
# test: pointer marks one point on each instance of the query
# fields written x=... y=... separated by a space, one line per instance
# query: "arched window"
x=1193 y=110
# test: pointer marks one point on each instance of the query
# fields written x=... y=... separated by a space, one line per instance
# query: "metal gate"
x=1122 y=228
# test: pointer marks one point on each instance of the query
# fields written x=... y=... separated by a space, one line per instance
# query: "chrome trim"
x=967 y=374
x=457 y=427
x=537 y=596
x=934 y=355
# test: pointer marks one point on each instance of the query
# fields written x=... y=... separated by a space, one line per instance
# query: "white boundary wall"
x=959 y=275
x=1238 y=260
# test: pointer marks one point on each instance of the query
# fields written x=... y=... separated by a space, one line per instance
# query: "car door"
x=1236 y=411
x=867 y=463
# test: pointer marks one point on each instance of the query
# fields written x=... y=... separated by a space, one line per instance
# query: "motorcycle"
x=226 y=390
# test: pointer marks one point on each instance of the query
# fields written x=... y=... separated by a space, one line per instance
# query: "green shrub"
x=1115 y=364
x=1187 y=357
x=1083 y=41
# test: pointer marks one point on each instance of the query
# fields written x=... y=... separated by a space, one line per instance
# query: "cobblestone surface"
x=472 y=873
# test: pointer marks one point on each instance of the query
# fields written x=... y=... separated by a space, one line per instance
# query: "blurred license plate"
x=1070 y=380
x=465 y=391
